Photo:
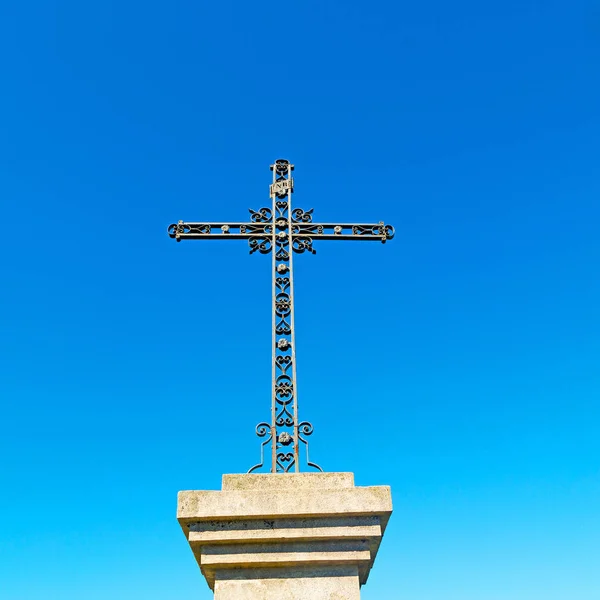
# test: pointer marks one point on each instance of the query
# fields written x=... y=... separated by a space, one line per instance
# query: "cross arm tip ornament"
x=389 y=232
x=175 y=230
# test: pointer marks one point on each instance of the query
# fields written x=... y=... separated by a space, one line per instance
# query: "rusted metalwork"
x=282 y=232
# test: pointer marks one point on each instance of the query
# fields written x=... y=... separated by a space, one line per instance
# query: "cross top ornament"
x=282 y=231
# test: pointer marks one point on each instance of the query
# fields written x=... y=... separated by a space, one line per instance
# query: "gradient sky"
x=458 y=363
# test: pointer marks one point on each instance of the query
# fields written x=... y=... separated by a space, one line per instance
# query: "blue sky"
x=458 y=363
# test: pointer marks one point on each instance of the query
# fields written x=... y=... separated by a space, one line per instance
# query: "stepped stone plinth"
x=300 y=536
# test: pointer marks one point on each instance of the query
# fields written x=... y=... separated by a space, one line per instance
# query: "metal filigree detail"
x=302 y=216
x=262 y=429
x=262 y=215
x=303 y=244
x=260 y=244
x=306 y=428
x=282 y=232
x=281 y=166
x=379 y=231
x=286 y=436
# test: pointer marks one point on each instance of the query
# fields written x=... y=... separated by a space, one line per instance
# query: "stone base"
x=336 y=583
x=293 y=536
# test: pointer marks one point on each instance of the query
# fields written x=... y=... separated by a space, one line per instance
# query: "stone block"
x=278 y=536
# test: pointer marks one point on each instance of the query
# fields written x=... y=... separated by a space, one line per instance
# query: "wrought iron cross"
x=281 y=231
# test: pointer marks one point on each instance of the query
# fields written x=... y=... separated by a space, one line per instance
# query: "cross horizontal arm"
x=215 y=231
x=343 y=231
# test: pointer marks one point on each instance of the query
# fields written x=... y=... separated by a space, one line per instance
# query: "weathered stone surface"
x=288 y=481
x=296 y=536
x=194 y=505
x=301 y=529
x=338 y=583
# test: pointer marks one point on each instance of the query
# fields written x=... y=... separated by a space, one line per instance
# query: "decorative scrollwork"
x=281 y=208
x=281 y=166
x=365 y=230
x=282 y=284
x=283 y=458
x=302 y=216
x=284 y=387
x=262 y=429
x=283 y=305
x=378 y=231
x=257 y=229
x=306 y=428
x=175 y=229
x=284 y=418
x=303 y=244
x=283 y=363
x=260 y=244
x=262 y=215
x=283 y=328
x=282 y=254
x=311 y=229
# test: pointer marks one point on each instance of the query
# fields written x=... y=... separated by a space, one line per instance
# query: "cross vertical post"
x=285 y=429
x=282 y=231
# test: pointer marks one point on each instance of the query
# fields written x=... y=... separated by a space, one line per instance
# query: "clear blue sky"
x=458 y=363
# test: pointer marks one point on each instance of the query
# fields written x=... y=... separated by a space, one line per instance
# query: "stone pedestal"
x=300 y=536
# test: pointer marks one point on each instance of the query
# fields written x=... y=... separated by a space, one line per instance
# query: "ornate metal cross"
x=281 y=231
